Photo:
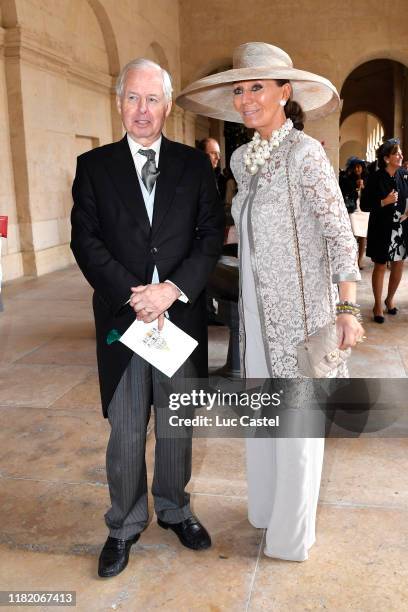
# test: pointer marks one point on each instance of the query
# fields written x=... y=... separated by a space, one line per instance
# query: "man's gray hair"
x=139 y=64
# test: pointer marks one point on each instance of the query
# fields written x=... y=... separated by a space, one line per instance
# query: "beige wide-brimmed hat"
x=212 y=95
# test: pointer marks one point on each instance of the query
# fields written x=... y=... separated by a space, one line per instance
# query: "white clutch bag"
x=319 y=354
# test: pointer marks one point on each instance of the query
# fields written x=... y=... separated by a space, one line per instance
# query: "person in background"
x=352 y=182
x=385 y=197
x=211 y=147
x=231 y=238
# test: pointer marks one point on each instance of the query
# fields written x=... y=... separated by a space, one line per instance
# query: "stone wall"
x=328 y=37
x=11 y=246
x=59 y=60
x=58 y=63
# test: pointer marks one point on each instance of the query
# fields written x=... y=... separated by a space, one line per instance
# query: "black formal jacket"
x=348 y=187
x=378 y=186
x=116 y=248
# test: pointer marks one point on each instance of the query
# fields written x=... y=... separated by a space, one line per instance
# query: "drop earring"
x=282 y=102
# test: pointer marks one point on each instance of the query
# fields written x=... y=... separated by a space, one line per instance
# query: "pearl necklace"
x=259 y=150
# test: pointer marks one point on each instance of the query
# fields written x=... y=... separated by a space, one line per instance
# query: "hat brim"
x=356 y=162
x=212 y=96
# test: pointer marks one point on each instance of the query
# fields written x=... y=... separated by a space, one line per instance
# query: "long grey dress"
x=284 y=474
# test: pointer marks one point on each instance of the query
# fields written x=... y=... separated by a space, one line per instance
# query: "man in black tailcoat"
x=146 y=233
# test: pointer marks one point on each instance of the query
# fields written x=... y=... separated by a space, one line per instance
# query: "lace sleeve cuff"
x=346 y=276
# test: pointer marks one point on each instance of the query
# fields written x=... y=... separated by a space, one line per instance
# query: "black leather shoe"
x=391 y=311
x=190 y=532
x=378 y=318
x=115 y=556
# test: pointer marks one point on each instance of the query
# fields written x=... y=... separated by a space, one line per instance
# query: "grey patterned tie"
x=149 y=170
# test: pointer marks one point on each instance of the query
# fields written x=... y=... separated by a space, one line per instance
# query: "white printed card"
x=166 y=350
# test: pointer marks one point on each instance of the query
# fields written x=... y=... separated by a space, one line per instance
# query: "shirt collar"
x=135 y=146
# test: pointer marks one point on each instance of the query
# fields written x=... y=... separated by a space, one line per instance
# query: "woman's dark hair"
x=352 y=163
x=292 y=109
x=389 y=147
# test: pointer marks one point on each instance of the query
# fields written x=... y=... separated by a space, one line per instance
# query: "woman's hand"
x=391 y=198
x=349 y=331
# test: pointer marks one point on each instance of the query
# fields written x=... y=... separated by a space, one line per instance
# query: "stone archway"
x=381 y=53
x=113 y=59
x=360 y=134
x=108 y=36
x=379 y=87
x=156 y=53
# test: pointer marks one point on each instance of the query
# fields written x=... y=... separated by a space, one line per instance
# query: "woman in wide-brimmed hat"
x=288 y=208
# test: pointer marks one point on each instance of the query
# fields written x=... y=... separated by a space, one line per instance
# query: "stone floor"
x=54 y=492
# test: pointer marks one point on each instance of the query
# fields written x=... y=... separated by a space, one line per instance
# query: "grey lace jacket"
x=321 y=218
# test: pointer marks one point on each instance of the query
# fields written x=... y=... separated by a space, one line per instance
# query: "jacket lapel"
x=171 y=166
x=122 y=170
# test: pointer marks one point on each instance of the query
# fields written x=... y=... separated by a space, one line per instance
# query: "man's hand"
x=150 y=302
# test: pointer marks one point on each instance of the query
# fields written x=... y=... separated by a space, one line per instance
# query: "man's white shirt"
x=139 y=161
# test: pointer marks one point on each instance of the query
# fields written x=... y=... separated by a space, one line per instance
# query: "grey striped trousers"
x=128 y=414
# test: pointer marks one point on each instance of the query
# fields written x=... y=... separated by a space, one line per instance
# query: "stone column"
x=217 y=132
x=18 y=146
x=117 y=127
x=202 y=127
x=11 y=254
x=327 y=132
x=398 y=100
x=173 y=128
x=53 y=103
x=189 y=125
x=405 y=113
